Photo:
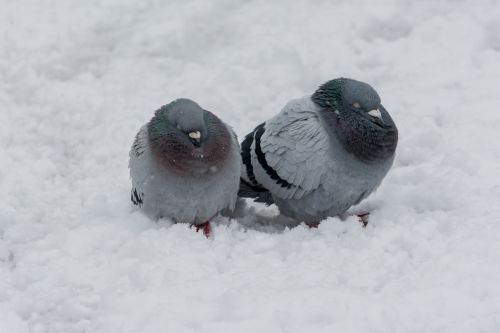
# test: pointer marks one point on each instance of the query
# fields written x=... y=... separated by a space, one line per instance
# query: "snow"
x=79 y=78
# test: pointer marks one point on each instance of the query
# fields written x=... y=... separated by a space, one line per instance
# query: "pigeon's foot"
x=312 y=225
x=205 y=228
x=363 y=218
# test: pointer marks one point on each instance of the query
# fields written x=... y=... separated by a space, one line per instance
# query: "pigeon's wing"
x=139 y=165
x=291 y=151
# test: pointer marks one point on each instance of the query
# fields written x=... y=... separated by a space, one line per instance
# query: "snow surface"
x=78 y=79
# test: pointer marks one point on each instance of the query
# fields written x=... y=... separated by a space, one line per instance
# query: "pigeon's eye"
x=356 y=105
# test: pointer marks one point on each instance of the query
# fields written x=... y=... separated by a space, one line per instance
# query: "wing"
x=289 y=152
x=139 y=165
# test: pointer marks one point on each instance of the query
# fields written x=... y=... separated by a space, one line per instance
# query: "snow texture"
x=79 y=78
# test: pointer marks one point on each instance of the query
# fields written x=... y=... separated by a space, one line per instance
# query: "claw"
x=205 y=227
x=312 y=225
x=363 y=218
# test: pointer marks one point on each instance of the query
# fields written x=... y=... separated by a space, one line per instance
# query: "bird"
x=321 y=154
x=185 y=165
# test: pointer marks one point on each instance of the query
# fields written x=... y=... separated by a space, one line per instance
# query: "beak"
x=195 y=138
x=375 y=113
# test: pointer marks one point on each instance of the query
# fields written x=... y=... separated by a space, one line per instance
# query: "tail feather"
x=257 y=193
x=249 y=186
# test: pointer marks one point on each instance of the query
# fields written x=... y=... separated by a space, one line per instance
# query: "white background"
x=78 y=79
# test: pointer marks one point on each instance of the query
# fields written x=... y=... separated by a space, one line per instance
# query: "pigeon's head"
x=188 y=139
x=187 y=117
x=351 y=98
x=353 y=110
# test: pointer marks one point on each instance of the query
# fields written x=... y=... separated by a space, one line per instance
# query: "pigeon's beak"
x=376 y=117
x=195 y=138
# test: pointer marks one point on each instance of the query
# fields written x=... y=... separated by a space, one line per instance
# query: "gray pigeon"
x=322 y=153
x=185 y=165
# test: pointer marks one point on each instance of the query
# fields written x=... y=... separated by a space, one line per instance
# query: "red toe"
x=312 y=225
x=364 y=218
x=205 y=227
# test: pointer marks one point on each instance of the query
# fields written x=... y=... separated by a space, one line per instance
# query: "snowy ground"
x=78 y=78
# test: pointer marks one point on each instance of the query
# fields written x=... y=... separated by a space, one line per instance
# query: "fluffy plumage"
x=184 y=164
x=322 y=153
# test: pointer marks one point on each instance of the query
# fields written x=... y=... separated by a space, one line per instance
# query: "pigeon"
x=185 y=165
x=321 y=154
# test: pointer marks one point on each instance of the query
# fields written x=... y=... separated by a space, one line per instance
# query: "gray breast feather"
x=164 y=194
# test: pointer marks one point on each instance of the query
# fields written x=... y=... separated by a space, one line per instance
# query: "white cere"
x=356 y=105
x=375 y=113
x=195 y=135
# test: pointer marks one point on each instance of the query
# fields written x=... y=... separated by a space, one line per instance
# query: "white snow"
x=79 y=78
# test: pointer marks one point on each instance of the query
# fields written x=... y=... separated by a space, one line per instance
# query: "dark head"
x=353 y=111
x=187 y=117
x=188 y=139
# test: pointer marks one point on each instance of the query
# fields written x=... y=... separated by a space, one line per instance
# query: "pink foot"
x=363 y=218
x=312 y=225
x=205 y=227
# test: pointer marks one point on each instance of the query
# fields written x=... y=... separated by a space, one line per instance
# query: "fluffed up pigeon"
x=322 y=153
x=185 y=165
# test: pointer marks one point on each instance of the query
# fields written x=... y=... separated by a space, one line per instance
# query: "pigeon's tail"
x=249 y=186
x=136 y=197
x=259 y=194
